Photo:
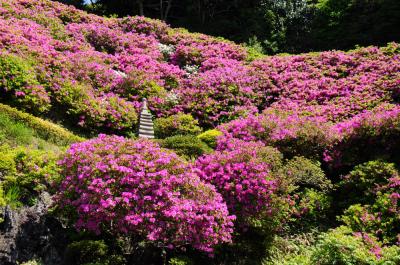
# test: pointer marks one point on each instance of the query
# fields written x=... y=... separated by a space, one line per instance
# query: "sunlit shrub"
x=29 y=171
x=210 y=137
x=178 y=124
x=381 y=217
x=44 y=129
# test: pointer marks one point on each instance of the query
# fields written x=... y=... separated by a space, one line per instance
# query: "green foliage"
x=46 y=130
x=293 y=250
x=7 y=163
x=272 y=156
x=178 y=124
x=341 y=24
x=255 y=49
x=311 y=207
x=87 y=251
x=3 y=201
x=19 y=84
x=360 y=185
x=210 y=137
x=340 y=246
x=25 y=173
x=180 y=261
x=303 y=173
x=188 y=146
x=138 y=84
x=14 y=131
x=13 y=196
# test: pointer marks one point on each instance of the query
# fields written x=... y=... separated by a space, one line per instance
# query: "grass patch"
x=24 y=128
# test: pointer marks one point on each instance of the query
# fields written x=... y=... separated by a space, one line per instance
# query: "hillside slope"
x=92 y=72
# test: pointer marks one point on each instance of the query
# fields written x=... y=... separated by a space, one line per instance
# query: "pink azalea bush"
x=292 y=133
x=243 y=178
x=335 y=85
x=367 y=136
x=136 y=188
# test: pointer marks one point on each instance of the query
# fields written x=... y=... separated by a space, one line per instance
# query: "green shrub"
x=340 y=246
x=272 y=156
x=46 y=130
x=7 y=163
x=86 y=251
x=25 y=173
x=382 y=218
x=310 y=208
x=188 y=146
x=32 y=262
x=293 y=250
x=359 y=186
x=178 y=124
x=19 y=83
x=301 y=173
x=210 y=137
x=138 y=84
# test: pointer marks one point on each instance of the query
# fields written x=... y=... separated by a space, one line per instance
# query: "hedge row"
x=44 y=129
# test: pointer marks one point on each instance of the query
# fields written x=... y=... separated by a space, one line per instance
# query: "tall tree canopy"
x=275 y=25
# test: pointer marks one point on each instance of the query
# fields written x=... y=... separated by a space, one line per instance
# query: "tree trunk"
x=141 y=8
x=167 y=10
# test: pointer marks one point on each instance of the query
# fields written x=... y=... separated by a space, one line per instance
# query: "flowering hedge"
x=135 y=187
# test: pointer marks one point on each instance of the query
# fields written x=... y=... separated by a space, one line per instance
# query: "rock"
x=30 y=233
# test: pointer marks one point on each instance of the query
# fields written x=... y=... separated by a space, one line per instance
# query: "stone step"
x=146 y=134
x=146 y=126
x=145 y=121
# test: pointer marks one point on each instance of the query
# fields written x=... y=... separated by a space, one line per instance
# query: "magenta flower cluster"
x=135 y=187
x=242 y=178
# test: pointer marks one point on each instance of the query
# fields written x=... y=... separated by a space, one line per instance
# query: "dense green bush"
x=188 y=146
x=310 y=208
x=302 y=173
x=338 y=246
x=341 y=246
x=309 y=190
x=180 y=261
x=178 y=124
x=360 y=185
x=381 y=218
x=210 y=137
